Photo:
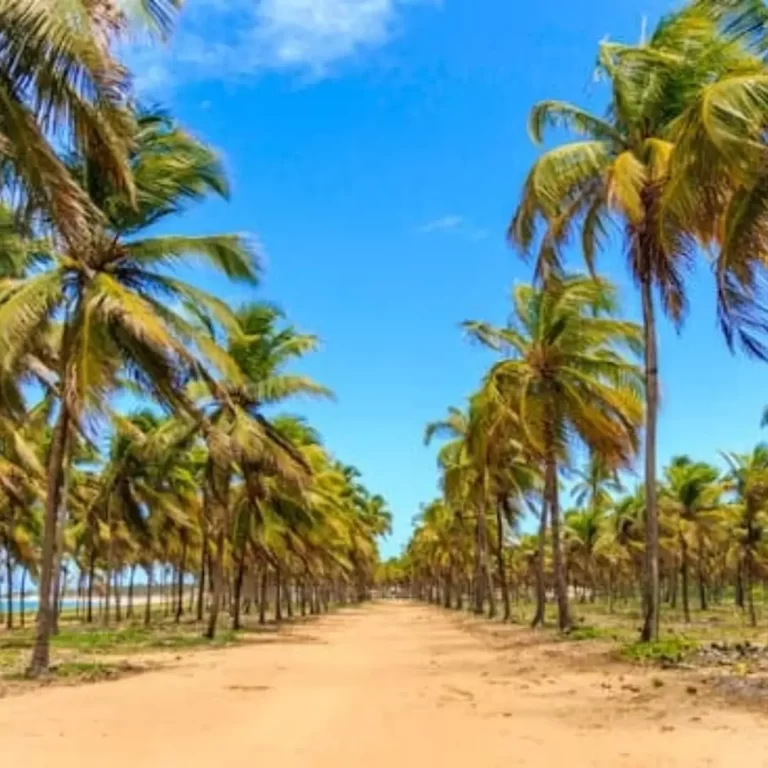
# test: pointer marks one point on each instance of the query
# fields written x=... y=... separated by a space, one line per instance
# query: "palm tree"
x=466 y=488
x=60 y=82
x=260 y=347
x=595 y=484
x=122 y=310
x=748 y=480
x=583 y=529
x=691 y=493
x=564 y=367
x=640 y=167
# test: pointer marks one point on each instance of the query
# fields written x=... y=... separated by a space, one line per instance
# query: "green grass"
x=134 y=639
x=588 y=632
x=669 y=650
x=123 y=639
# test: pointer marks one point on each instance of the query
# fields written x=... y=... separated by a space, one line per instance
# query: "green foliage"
x=669 y=650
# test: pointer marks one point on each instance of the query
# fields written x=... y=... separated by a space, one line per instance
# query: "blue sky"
x=376 y=150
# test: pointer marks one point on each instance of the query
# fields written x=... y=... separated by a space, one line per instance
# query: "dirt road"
x=387 y=685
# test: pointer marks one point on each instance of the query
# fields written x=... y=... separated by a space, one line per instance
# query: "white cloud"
x=221 y=39
x=454 y=224
x=449 y=223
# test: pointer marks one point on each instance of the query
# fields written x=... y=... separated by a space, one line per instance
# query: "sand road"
x=392 y=685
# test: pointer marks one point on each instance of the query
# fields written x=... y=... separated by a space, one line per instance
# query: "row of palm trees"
x=675 y=169
x=711 y=543
x=133 y=429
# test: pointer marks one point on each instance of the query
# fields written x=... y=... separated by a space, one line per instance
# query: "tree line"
x=673 y=172
x=138 y=435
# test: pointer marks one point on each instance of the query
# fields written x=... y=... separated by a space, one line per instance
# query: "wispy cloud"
x=224 y=39
x=454 y=224
x=449 y=223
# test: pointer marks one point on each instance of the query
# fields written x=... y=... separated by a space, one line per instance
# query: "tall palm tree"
x=260 y=345
x=563 y=363
x=123 y=312
x=640 y=166
x=466 y=489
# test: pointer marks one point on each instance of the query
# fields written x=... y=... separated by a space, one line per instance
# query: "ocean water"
x=30 y=603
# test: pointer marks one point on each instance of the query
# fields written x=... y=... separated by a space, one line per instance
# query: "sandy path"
x=388 y=685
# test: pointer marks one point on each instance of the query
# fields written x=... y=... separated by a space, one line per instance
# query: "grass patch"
x=132 y=639
x=582 y=633
x=125 y=639
x=670 y=650
x=77 y=672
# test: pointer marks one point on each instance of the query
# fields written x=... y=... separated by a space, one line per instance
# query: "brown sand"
x=387 y=685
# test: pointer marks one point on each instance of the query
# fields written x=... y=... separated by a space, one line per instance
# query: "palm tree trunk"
x=561 y=585
x=91 y=576
x=650 y=629
x=9 y=592
x=58 y=450
x=483 y=579
x=263 y=595
x=59 y=554
x=110 y=553
x=288 y=590
x=201 y=582
x=129 y=612
x=117 y=583
x=216 y=512
x=217 y=572
x=238 y=588
x=700 y=574
x=23 y=606
x=148 y=603
x=684 y=578
x=501 y=567
x=541 y=591
x=278 y=606
x=180 y=584
x=749 y=572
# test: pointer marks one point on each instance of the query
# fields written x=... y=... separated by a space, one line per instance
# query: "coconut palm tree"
x=260 y=346
x=61 y=83
x=595 y=484
x=583 y=529
x=747 y=478
x=563 y=363
x=648 y=166
x=691 y=493
x=123 y=313
x=466 y=488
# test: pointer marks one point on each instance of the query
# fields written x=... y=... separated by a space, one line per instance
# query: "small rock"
x=692 y=689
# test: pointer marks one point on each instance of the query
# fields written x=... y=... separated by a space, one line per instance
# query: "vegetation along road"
x=384 y=685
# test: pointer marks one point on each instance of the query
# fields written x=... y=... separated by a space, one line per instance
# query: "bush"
x=670 y=650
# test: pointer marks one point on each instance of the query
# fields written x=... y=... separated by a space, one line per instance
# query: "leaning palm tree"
x=61 y=83
x=653 y=165
x=563 y=365
x=123 y=312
